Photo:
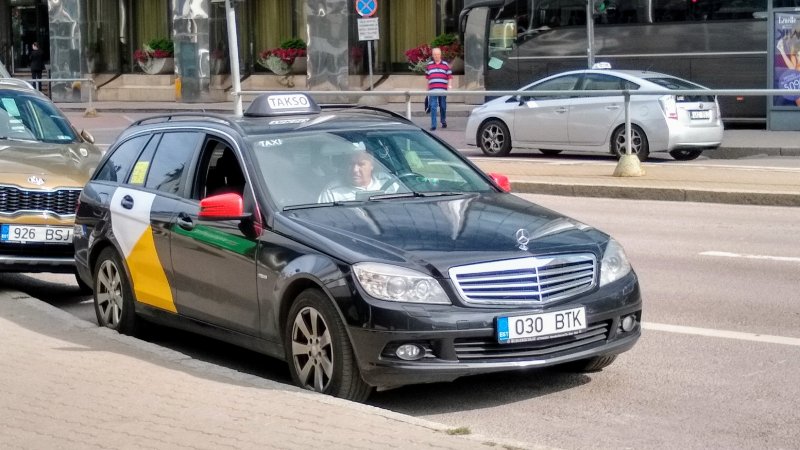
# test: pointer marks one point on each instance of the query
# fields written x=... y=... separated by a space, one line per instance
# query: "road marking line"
x=722 y=334
x=740 y=255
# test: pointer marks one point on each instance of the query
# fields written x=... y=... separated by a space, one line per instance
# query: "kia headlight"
x=615 y=264
x=398 y=284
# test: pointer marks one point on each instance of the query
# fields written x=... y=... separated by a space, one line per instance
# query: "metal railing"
x=625 y=93
x=91 y=82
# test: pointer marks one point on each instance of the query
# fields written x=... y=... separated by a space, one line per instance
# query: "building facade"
x=100 y=37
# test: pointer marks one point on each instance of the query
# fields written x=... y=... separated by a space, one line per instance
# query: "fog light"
x=410 y=352
x=628 y=322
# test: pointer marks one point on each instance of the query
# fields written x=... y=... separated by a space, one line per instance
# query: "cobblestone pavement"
x=65 y=383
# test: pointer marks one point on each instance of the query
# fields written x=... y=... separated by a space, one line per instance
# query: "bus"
x=721 y=44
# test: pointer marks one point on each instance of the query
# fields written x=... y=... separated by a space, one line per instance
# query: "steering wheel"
x=401 y=177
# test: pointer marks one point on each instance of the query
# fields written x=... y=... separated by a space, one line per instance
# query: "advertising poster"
x=787 y=56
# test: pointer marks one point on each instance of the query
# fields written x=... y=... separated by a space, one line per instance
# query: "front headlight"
x=615 y=264
x=398 y=284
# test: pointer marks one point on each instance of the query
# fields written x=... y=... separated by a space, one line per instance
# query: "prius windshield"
x=28 y=117
x=331 y=167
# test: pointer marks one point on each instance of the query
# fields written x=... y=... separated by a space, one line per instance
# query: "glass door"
x=29 y=24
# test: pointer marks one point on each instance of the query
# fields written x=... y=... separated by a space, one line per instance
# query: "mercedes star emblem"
x=523 y=237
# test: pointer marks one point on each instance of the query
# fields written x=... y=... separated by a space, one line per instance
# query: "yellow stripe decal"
x=149 y=280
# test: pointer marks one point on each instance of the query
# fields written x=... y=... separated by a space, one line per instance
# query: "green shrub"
x=161 y=44
x=295 y=43
x=444 y=40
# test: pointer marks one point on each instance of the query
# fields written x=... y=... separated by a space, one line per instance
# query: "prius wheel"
x=639 y=145
x=319 y=352
x=595 y=364
x=494 y=138
x=113 y=297
x=685 y=155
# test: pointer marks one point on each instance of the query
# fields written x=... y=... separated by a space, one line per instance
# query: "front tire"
x=319 y=351
x=639 y=144
x=494 y=139
x=113 y=296
x=685 y=155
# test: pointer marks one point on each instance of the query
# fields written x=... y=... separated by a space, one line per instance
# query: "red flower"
x=418 y=54
x=287 y=55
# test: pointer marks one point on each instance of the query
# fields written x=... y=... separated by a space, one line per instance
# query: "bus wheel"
x=494 y=138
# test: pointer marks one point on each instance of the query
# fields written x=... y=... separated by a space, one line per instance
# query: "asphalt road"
x=700 y=377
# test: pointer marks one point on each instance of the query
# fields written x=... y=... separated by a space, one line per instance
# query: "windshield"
x=320 y=168
x=27 y=117
x=675 y=84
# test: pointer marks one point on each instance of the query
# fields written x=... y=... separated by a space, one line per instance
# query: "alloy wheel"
x=636 y=142
x=493 y=138
x=109 y=294
x=312 y=351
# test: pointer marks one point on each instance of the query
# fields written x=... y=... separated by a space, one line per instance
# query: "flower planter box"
x=156 y=66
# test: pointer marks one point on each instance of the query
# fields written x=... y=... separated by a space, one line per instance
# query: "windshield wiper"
x=416 y=194
x=321 y=205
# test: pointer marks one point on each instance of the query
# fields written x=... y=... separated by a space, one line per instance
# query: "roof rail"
x=161 y=118
x=367 y=108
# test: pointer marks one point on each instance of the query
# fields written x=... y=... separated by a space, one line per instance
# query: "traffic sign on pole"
x=366 y=8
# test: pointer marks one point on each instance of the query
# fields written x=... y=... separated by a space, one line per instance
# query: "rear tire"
x=550 y=152
x=493 y=138
x=685 y=155
x=318 y=350
x=639 y=144
x=113 y=296
x=595 y=364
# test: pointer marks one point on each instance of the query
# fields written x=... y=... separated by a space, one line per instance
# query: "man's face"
x=361 y=170
x=437 y=55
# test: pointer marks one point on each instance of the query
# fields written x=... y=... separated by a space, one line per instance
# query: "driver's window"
x=220 y=171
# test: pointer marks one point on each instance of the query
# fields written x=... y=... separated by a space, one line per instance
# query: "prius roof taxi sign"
x=268 y=105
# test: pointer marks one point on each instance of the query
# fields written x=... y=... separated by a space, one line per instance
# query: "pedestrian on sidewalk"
x=438 y=74
x=37 y=65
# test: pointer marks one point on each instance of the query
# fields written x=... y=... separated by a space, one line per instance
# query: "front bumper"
x=56 y=258
x=462 y=341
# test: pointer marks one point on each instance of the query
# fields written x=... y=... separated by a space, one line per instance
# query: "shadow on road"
x=477 y=392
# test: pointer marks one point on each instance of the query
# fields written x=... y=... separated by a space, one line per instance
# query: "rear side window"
x=172 y=160
x=676 y=83
x=121 y=160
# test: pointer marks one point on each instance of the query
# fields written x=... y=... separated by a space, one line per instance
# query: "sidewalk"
x=65 y=383
x=696 y=182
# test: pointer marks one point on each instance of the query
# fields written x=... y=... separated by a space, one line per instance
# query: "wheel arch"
x=487 y=119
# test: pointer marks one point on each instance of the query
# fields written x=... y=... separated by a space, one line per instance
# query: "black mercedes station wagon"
x=349 y=242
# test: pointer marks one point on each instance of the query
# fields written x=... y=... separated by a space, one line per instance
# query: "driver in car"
x=361 y=177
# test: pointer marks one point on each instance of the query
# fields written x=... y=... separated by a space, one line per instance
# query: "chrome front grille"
x=539 y=279
x=61 y=202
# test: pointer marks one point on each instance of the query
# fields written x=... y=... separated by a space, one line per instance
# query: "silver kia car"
x=682 y=125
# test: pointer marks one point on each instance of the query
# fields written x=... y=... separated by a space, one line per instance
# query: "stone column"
x=190 y=22
x=67 y=30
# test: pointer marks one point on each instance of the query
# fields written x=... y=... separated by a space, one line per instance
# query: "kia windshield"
x=27 y=117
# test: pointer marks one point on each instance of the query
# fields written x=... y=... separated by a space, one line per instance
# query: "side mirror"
x=501 y=181
x=87 y=136
x=222 y=207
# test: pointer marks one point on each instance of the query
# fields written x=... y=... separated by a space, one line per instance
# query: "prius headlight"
x=398 y=284
x=615 y=264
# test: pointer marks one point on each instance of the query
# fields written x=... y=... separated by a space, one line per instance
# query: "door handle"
x=127 y=202
x=185 y=222
x=562 y=110
x=612 y=107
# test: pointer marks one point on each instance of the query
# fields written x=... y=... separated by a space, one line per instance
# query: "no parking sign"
x=366 y=8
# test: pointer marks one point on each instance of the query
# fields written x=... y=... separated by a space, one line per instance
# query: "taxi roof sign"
x=282 y=104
